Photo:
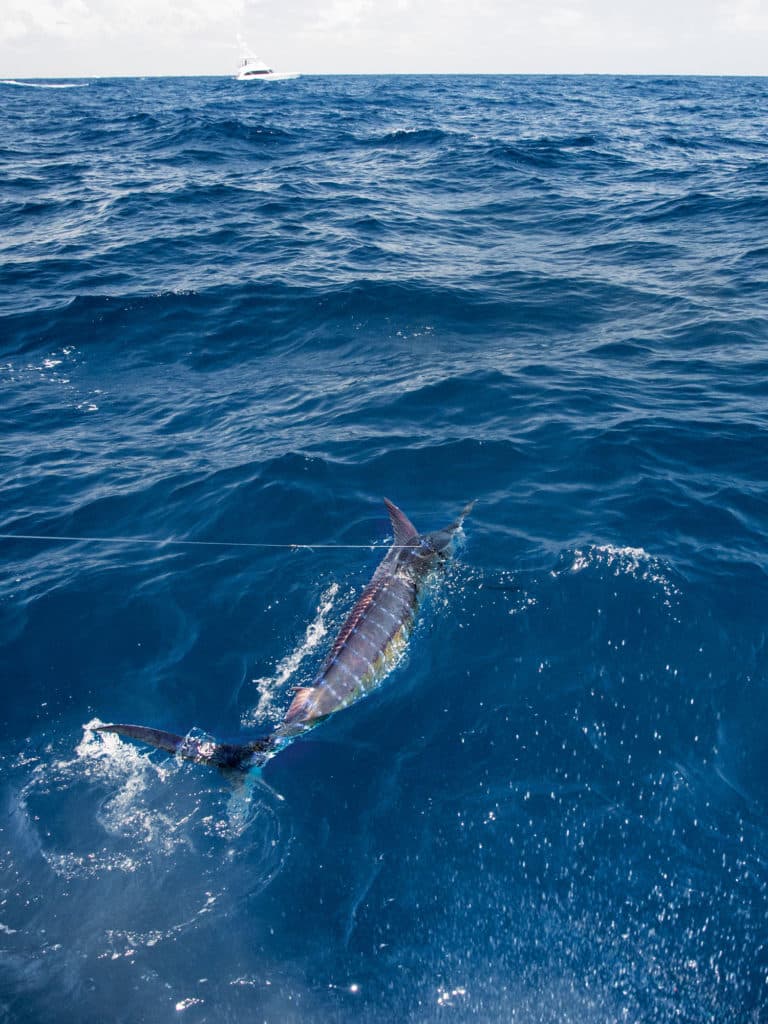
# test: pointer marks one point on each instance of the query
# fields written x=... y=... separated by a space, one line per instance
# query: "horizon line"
x=412 y=74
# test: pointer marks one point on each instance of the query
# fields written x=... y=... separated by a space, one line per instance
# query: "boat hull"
x=273 y=76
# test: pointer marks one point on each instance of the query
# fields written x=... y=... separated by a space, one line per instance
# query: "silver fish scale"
x=379 y=615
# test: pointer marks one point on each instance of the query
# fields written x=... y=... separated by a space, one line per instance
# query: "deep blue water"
x=244 y=313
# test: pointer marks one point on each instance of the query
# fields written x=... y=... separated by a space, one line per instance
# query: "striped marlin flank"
x=366 y=648
x=376 y=631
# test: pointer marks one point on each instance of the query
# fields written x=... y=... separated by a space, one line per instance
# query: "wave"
x=551 y=152
x=241 y=131
x=410 y=137
x=231 y=317
x=697 y=204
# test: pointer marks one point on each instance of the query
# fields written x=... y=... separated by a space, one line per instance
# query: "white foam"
x=184 y=1004
x=106 y=754
x=526 y=602
x=55 y=368
x=130 y=940
x=270 y=686
x=102 y=758
x=448 y=997
x=625 y=561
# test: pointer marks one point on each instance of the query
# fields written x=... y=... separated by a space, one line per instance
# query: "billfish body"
x=375 y=633
x=369 y=644
x=371 y=641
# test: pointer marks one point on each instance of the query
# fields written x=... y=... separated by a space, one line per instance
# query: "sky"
x=85 y=38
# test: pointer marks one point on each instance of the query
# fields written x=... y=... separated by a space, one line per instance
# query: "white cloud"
x=563 y=17
x=12 y=29
x=42 y=17
x=342 y=14
x=186 y=17
x=746 y=16
x=70 y=19
x=123 y=37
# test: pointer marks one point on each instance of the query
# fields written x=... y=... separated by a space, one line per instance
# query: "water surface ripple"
x=247 y=313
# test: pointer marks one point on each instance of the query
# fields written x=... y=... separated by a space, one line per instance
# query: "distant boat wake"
x=44 y=85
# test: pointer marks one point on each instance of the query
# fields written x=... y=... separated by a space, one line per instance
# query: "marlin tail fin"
x=201 y=750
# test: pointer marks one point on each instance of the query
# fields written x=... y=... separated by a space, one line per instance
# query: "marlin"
x=369 y=644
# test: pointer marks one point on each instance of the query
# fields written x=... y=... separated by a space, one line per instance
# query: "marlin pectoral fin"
x=201 y=750
x=300 y=710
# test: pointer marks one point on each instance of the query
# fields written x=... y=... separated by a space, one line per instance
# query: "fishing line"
x=166 y=542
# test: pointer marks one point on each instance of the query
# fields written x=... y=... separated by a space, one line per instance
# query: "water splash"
x=270 y=687
x=625 y=561
x=129 y=820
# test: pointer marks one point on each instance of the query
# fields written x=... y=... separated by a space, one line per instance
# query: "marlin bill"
x=366 y=648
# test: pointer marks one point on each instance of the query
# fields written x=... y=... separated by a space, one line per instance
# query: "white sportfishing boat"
x=253 y=69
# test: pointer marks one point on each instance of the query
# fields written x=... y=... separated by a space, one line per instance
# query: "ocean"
x=241 y=314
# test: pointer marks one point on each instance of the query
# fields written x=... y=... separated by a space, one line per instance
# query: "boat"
x=254 y=69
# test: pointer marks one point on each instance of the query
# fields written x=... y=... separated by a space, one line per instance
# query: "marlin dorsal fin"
x=402 y=526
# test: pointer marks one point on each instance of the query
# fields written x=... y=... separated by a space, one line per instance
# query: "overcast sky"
x=170 y=37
